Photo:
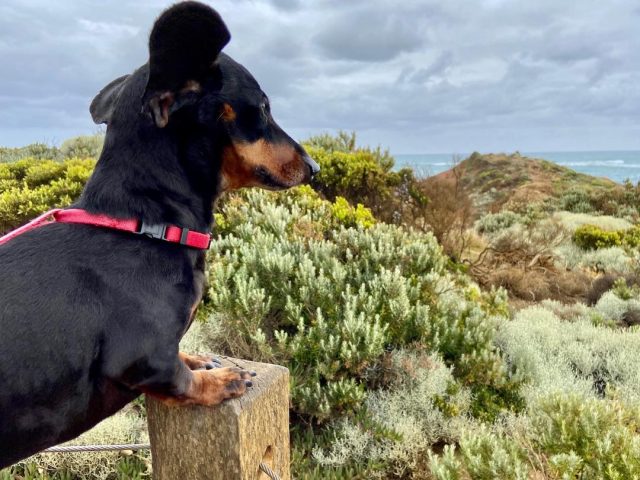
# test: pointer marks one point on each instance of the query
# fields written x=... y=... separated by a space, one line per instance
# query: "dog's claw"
x=214 y=363
x=248 y=383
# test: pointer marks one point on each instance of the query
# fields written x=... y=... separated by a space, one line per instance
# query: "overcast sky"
x=446 y=76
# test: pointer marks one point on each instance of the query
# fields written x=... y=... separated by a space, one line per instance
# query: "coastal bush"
x=30 y=187
x=447 y=213
x=576 y=201
x=604 y=260
x=495 y=222
x=604 y=283
x=523 y=259
x=39 y=151
x=84 y=146
x=587 y=358
x=291 y=283
x=561 y=436
x=127 y=426
x=581 y=388
x=591 y=237
x=621 y=202
x=346 y=142
x=571 y=221
x=421 y=407
x=358 y=177
x=581 y=385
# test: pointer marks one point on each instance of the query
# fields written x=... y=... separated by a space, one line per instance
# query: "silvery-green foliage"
x=410 y=410
x=561 y=435
x=289 y=283
x=539 y=237
x=84 y=146
x=484 y=454
x=612 y=307
x=568 y=312
x=552 y=355
x=448 y=466
x=124 y=427
x=571 y=221
x=612 y=259
x=587 y=437
x=495 y=222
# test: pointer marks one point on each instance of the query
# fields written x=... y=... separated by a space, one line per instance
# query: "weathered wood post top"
x=230 y=440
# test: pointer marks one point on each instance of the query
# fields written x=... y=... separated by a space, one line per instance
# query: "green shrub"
x=571 y=221
x=39 y=151
x=290 y=283
x=561 y=436
x=483 y=455
x=576 y=201
x=587 y=438
x=608 y=260
x=590 y=237
x=403 y=422
x=350 y=216
x=598 y=197
x=85 y=146
x=30 y=187
x=127 y=426
x=365 y=176
x=346 y=142
x=495 y=222
x=551 y=355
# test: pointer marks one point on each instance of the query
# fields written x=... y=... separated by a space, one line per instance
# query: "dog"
x=91 y=317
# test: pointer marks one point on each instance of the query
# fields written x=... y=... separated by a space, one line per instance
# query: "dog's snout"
x=314 y=168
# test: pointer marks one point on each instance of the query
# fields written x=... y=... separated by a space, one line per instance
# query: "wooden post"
x=228 y=441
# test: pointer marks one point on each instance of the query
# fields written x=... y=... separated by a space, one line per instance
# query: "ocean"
x=616 y=165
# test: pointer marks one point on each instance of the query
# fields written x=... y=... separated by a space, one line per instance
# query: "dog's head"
x=191 y=85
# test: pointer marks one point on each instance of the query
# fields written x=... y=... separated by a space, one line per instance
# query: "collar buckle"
x=151 y=230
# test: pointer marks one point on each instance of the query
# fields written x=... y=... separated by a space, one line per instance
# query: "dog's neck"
x=159 y=179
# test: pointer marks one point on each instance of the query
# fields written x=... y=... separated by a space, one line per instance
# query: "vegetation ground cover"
x=438 y=328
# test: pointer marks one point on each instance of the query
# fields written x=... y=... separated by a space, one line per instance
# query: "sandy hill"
x=496 y=180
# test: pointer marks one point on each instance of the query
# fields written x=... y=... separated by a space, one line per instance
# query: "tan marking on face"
x=281 y=161
x=228 y=113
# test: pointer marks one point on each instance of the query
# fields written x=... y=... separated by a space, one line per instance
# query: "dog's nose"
x=314 y=168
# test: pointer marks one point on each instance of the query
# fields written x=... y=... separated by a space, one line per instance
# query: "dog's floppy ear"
x=102 y=106
x=183 y=45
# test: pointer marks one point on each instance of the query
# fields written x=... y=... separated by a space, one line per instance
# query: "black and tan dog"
x=91 y=317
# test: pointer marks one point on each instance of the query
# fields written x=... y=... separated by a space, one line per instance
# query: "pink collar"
x=168 y=233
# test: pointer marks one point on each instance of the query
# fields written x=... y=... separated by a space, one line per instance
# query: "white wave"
x=606 y=163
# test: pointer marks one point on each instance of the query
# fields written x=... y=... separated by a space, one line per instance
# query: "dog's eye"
x=264 y=106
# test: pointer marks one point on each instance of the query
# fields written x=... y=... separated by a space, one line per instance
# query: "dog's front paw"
x=200 y=362
x=219 y=384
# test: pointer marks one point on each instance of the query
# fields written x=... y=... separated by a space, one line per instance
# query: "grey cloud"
x=367 y=35
x=286 y=4
x=417 y=75
x=437 y=68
